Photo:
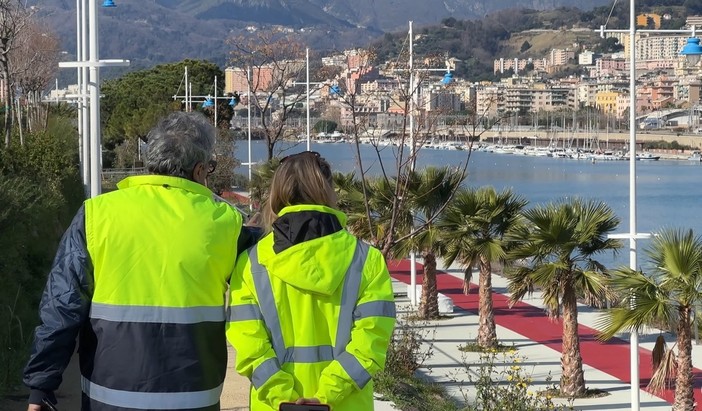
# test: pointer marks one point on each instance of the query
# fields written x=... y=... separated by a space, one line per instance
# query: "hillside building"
x=642 y=20
x=560 y=57
x=518 y=65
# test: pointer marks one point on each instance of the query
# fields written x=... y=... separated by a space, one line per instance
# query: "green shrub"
x=501 y=383
x=40 y=190
x=406 y=354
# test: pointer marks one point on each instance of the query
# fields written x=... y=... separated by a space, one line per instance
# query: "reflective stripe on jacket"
x=314 y=319
x=163 y=250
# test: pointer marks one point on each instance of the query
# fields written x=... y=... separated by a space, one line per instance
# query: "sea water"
x=668 y=192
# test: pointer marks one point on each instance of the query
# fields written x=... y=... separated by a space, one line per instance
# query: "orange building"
x=235 y=79
x=642 y=20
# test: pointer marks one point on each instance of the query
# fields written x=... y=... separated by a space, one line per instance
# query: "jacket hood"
x=314 y=250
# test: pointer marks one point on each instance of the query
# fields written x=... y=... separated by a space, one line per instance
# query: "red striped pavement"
x=611 y=357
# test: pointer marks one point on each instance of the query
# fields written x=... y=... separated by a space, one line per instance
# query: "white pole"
x=411 y=90
x=190 y=97
x=187 y=99
x=57 y=94
x=248 y=101
x=83 y=87
x=215 y=103
x=95 y=165
x=307 y=58
x=79 y=81
x=634 y=336
x=413 y=255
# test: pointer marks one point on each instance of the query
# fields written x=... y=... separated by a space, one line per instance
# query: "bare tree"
x=14 y=16
x=33 y=63
x=391 y=117
x=275 y=62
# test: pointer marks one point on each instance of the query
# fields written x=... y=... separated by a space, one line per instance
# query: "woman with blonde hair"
x=312 y=307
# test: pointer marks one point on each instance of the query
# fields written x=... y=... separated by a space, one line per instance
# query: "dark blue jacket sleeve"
x=63 y=310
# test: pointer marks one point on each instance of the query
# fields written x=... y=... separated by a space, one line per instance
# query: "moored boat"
x=647 y=156
x=696 y=156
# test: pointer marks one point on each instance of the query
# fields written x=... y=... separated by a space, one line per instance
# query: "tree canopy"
x=134 y=102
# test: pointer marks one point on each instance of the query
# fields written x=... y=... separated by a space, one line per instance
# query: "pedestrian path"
x=537 y=338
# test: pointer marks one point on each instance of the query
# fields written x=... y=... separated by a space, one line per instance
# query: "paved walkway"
x=537 y=338
x=235 y=395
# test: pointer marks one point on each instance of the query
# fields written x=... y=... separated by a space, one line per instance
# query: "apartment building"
x=652 y=46
x=642 y=20
x=235 y=79
x=607 y=101
x=693 y=21
x=383 y=84
x=262 y=77
x=610 y=67
x=621 y=105
x=518 y=65
x=489 y=100
x=441 y=100
x=586 y=58
x=560 y=57
x=586 y=93
x=661 y=48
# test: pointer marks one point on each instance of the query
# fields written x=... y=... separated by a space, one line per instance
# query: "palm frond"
x=520 y=283
x=658 y=353
x=467 y=277
x=591 y=286
x=664 y=373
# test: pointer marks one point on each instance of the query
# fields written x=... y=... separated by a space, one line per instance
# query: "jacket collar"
x=165 y=181
x=302 y=223
x=311 y=207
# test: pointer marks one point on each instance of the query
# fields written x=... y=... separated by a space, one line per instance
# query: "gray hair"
x=178 y=142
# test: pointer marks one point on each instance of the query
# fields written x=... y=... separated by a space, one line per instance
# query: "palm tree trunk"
x=684 y=396
x=487 y=337
x=573 y=377
x=429 y=307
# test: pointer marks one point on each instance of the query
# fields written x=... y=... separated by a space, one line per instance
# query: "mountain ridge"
x=160 y=31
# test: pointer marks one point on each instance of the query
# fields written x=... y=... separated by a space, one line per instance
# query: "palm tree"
x=667 y=296
x=261 y=181
x=558 y=244
x=428 y=192
x=402 y=223
x=473 y=230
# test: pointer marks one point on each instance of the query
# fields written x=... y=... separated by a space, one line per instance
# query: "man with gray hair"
x=140 y=279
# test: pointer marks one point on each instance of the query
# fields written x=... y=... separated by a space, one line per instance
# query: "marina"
x=669 y=193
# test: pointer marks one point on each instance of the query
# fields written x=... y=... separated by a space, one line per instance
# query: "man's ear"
x=200 y=174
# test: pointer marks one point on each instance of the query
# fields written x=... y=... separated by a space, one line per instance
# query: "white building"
x=586 y=58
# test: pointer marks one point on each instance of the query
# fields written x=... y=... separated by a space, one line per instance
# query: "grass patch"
x=412 y=393
x=555 y=392
x=416 y=318
x=473 y=346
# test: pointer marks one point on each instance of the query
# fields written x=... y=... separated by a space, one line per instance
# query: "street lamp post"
x=448 y=77
x=212 y=101
x=248 y=108
x=82 y=131
x=249 y=163
x=633 y=235
x=307 y=70
x=307 y=91
x=93 y=64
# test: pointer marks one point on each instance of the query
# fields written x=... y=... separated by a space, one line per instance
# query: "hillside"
x=158 y=31
x=476 y=32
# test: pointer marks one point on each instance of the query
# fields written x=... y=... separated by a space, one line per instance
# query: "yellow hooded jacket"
x=312 y=312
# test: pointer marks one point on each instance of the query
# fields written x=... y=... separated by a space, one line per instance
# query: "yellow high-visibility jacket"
x=312 y=312
x=142 y=275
